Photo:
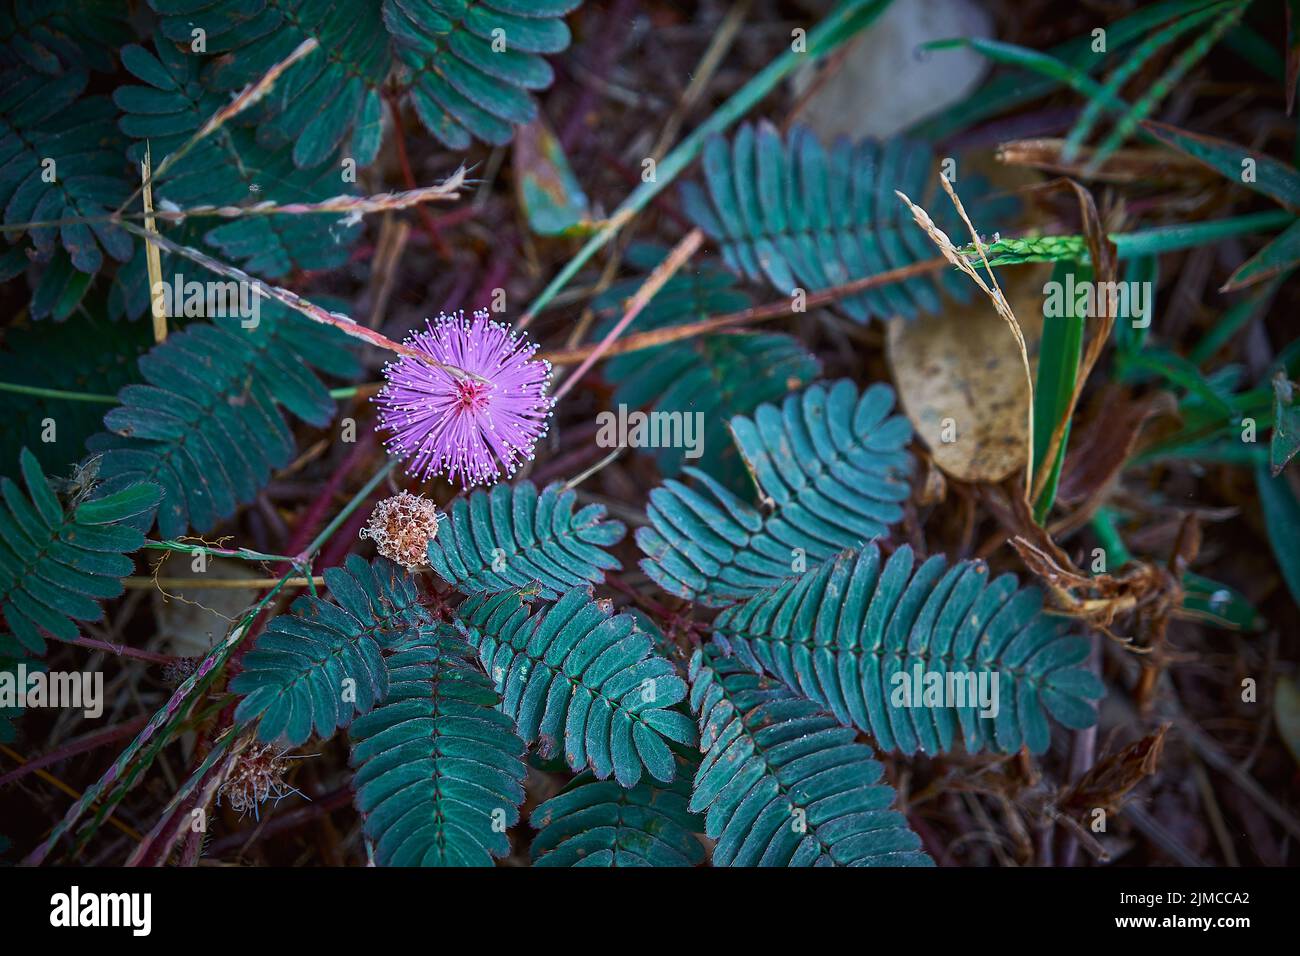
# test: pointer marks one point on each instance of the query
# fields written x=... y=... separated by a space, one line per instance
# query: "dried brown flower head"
x=402 y=527
x=257 y=776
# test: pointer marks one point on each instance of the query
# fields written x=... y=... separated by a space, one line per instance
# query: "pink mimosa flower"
x=472 y=429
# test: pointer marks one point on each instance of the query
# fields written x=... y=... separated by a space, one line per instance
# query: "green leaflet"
x=331 y=99
x=1226 y=16
x=1278 y=258
x=512 y=536
x=1059 y=355
x=715 y=376
x=576 y=675
x=1268 y=176
x=598 y=823
x=1286 y=424
x=232 y=167
x=1012 y=88
x=473 y=64
x=53 y=36
x=781 y=784
x=439 y=769
x=1129 y=68
x=293 y=680
x=61 y=157
x=207 y=425
x=831 y=466
x=1263 y=174
x=56 y=564
x=800 y=217
x=549 y=193
x=843 y=634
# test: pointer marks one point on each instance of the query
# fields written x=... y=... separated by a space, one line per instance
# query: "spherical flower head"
x=402 y=527
x=477 y=428
x=256 y=777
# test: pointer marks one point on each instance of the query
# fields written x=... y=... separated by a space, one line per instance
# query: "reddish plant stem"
x=760 y=313
x=408 y=176
x=78 y=745
x=121 y=650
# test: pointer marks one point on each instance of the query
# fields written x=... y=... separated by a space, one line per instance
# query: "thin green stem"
x=1173 y=238
x=243 y=554
x=358 y=499
x=57 y=393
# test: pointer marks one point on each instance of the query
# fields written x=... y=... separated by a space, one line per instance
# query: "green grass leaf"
x=1282 y=519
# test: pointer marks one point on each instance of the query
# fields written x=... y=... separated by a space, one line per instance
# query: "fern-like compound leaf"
x=234 y=166
x=578 y=676
x=54 y=36
x=512 y=536
x=472 y=65
x=207 y=425
x=831 y=464
x=57 y=563
x=439 y=769
x=327 y=100
x=706 y=379
x=61 y=157
x=599 y=823
x=322 y=663
x=919 y=656
x=799 y=216
x=781 y=784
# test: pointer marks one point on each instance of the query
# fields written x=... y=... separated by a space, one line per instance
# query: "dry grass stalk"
x=994 y=292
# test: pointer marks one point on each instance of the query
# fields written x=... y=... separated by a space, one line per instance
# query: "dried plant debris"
x=402 y=527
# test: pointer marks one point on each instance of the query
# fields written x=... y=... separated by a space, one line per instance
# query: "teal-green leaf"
x=780 y=784
x=831 y=465
x=799 y=219
x=439 y=770
x=867 y=639
x=512 y=536
x=579 y=677
x=599 y=823
x=55 y=565
x=292 y=680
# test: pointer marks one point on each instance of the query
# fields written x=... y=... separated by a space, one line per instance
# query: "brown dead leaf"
x=1123 y=165
x=1098 y=451
x=1145 y=593
x=962 y=364
x=1107 y=784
